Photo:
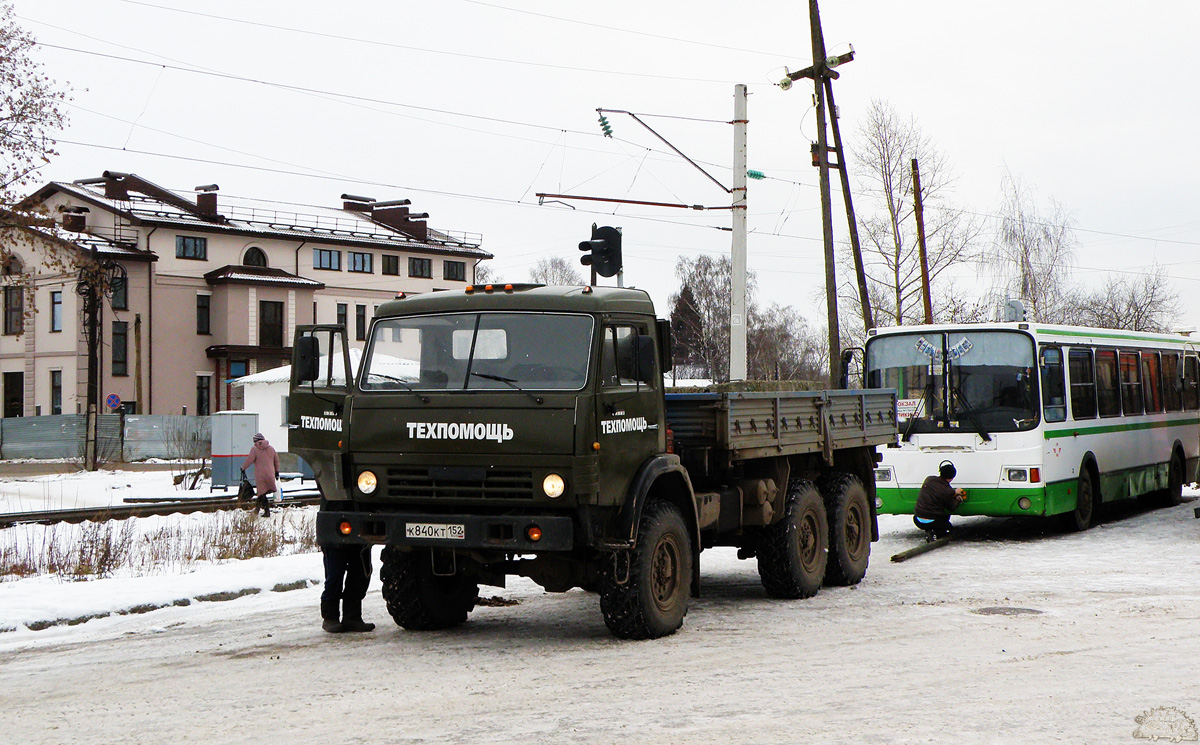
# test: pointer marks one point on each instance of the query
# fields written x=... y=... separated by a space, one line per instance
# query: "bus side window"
x=1151 y=382
x=1172 y=377
x=1191 y=383
x=1108 y=383
x=1054 y=402
x=1083 y=384
x=1131 y=384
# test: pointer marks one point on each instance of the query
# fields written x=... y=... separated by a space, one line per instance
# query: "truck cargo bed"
x=757 y=425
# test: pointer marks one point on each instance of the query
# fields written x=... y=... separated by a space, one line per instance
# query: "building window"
x=391 y=264
x=420 y=267
x=359 y=262
x=254 y=257
x=56 y=310
x=120 y=348
x=204 y=314
x=56 y=391
x=239 y=368
x=326 y=258
x=341 y=314
x=188 y=247
x=360 y=322
x=270 y=323
x=204 y=395
x=14 y=310
x=454 y=270
x=120 y=293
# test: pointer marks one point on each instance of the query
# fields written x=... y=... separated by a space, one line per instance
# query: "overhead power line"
x=425 y=50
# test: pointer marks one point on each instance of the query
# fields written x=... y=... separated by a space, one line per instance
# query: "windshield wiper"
x=407 y=386
x=969 y=412
x=509 y=382
x=912 y=420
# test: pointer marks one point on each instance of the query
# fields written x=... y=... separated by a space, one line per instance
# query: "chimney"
x=352 y=203
x=206 y=200
x=115 y=186
x=74 y=219
x=395 y=215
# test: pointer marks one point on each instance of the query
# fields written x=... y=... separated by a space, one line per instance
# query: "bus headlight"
x=883 y=474
x=367 y=482
x=1018 y=474
x=553 y=485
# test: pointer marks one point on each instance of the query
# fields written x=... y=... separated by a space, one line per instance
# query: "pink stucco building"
x=214 y=288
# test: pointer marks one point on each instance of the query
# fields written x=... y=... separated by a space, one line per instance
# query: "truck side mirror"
x=645 y=359
x=666 y=350
x=307 y=359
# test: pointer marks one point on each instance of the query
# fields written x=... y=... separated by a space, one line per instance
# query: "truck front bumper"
x=504 y=532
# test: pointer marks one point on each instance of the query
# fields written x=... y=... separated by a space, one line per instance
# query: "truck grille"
x=459 y=483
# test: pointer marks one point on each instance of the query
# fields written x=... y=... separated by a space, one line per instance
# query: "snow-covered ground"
x=1014 y=634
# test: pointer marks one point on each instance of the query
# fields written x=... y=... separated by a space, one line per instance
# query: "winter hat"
x=258 y=436
x=947 y=470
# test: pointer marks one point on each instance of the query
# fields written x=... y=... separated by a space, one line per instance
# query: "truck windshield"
x=473 y=351
x=957 y=381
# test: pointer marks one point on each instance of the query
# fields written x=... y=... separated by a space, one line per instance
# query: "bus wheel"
x=420 y=600
x=651 y=600
x=1085 y=503
x=1173 y=494
x=849 y=516
x=792 y=553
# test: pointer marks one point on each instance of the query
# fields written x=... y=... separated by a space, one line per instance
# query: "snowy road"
x=904 y=657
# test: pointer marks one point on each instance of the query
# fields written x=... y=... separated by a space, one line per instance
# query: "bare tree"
x=779 y=344
x=1142 y=302
x=555 y=270
x=883 y=163
x=1033 y=254
x=31 y=109
x=485 y=274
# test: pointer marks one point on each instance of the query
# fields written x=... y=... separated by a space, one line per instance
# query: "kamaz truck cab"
x=490 y=432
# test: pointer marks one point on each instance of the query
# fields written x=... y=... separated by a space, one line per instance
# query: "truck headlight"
x=367 y=482
x=553 y=485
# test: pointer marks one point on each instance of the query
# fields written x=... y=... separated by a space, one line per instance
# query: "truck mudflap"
x=504 y=532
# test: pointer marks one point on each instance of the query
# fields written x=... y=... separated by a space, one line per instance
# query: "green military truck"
x=525 y=430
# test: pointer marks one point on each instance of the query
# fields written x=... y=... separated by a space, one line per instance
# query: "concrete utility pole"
x=737 y=305
x=920 y=214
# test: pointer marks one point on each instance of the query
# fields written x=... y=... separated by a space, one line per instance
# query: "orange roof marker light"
x=508 y=289
x=470 y=289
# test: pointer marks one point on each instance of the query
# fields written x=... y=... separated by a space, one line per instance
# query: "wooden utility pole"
x=818 y=52
x=925 y=293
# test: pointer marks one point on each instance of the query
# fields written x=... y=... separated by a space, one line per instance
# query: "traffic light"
x=604 y=250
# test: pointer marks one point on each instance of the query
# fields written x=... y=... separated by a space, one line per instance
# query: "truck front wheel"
x=849 y=516
x=651 y=598
x=420 y=600
x=792 y=552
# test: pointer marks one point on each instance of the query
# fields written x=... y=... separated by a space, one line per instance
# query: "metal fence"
x=120 y=437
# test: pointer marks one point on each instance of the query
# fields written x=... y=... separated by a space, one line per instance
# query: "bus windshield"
x=473 y=351
x=957 y=381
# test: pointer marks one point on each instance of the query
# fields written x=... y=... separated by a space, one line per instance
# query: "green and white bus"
x=1037 y=419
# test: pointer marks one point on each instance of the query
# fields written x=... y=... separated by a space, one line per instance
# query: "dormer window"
x=255 y=256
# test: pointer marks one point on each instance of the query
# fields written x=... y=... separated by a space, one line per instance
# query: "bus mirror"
x=645 y=359
x=307 y=359
x=847 y=362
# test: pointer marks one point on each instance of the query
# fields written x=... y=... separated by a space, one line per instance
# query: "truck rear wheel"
x=849 y=516
x=793 y=552
x=653 y=599
x=419 y=600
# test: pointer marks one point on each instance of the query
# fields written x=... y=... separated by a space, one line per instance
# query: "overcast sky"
x=469 y=108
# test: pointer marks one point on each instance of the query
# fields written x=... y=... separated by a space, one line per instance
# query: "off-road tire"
x=793 y=552
x=417 y=599
x=849 y=513
x=1087 y=502
x=653 y=600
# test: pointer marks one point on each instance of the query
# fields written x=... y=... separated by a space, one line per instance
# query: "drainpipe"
x=149 y=407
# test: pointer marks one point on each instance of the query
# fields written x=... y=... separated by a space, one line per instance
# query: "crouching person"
x=936 y=501
x=347 y=574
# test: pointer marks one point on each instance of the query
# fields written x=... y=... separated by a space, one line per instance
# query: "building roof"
x=236 y=274
x=154 y=205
